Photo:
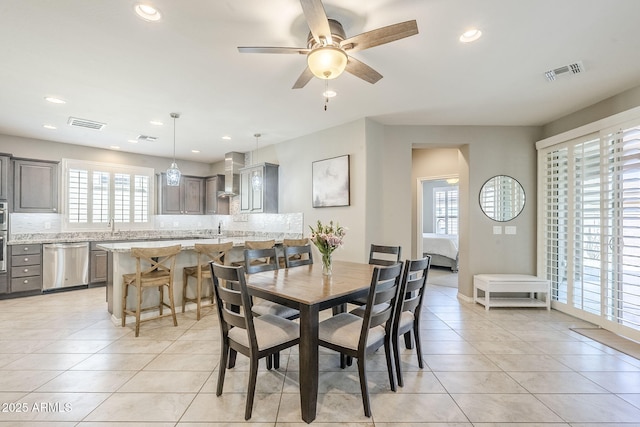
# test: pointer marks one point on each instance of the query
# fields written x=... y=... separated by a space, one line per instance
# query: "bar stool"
x=154 y=269
x=213 y=252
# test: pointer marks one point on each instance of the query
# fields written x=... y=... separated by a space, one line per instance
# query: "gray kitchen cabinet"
x=4 y=177
x=25 y=268
x=4 y=284
x=186 y=198
x=97 y=264
x=265 y=198
x=213 y=204
x=35 y=186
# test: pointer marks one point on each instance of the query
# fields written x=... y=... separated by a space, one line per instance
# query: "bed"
x=443 y=249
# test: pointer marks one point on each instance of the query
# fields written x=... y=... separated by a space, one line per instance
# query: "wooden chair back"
x=155 y=263
x=268 y=260
x=295 y=256
x=259 y=244
x=210 y=252
x=384 y=255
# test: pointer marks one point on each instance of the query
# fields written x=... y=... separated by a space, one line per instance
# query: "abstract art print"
x=330 y=179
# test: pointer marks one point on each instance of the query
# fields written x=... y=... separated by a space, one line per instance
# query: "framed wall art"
x=330 y=180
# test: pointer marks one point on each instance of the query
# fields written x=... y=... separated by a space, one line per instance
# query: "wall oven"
x=4 y=230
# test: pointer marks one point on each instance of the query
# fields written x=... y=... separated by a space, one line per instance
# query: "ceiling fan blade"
x=251 y=49
x=317 y=19
x=363 y=71
x=304 y=78
x=380 y=36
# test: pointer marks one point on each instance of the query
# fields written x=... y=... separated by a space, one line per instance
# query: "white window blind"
x=119 y=193
x=591 y=227
x=445 y=203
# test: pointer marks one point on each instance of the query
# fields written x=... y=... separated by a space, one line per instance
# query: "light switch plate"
x=497 y=229
x=510 y=229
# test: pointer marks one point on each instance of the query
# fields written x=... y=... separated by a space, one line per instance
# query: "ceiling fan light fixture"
x=327 y=62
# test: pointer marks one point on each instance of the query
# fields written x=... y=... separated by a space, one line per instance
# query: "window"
x=445 y=206
x=591 y=227
x=96 y=193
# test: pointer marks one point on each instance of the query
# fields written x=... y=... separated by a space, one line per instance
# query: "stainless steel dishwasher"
x=65 y=265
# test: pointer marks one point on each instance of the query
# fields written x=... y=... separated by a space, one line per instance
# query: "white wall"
x=295 y=158
x=485 y=152
x=50 y=150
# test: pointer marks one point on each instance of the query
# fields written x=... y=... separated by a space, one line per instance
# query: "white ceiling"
x=112 y=67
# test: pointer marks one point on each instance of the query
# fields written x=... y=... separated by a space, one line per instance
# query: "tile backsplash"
x=21 y=225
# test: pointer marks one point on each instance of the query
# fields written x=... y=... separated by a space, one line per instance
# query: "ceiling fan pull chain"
x=326 y=94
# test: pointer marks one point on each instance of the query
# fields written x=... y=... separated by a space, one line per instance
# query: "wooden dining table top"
x=307 y=284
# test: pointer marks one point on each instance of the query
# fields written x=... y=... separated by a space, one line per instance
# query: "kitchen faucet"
x=112 y=225
x=220 y=227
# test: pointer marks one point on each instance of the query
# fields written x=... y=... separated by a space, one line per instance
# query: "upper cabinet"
x=35 y=186
x=186 y=198
x=262 y=198
x=4 y=177
x=213 y=204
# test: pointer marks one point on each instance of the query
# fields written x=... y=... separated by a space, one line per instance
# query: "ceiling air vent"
x=83 y=123
x=148 y=138
x=567 y=70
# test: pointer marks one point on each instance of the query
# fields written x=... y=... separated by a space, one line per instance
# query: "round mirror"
x=502 y=198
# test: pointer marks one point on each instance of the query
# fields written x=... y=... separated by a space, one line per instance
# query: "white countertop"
x=187 y=244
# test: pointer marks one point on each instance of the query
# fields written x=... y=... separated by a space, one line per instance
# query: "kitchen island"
x=121 y=262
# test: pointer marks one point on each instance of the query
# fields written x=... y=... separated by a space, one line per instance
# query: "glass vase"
x=326 y=264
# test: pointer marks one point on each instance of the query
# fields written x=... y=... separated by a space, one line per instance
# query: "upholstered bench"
x=511 y=283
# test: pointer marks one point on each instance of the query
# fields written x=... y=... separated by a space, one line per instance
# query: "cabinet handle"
x=26 y=270
x=25 y=248
x=26 y=260
x=25 y=281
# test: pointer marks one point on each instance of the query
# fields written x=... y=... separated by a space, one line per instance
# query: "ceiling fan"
x=328 y=47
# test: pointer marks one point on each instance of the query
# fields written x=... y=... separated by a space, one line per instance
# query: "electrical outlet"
x=510 y=229
x=497 y=229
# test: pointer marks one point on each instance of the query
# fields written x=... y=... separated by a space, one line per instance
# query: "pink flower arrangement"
x=327 y=239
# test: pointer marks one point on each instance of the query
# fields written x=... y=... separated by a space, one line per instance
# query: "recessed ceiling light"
x=226 y=137
x=52 y=127
x=114 y=147
x=470 y=35
x=147 y=12
x=156 y=122
x=133 y=141
x=55 y=100
x=329 y=93
x=195 y=151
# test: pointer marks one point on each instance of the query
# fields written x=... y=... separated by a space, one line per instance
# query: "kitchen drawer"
x=26 y=270
x=26 y=259
x=26 y=249
x=26 y=284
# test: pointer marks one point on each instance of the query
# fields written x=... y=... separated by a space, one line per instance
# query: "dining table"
x=308 y=290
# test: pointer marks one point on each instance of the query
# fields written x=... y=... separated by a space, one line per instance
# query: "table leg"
x=309 y=318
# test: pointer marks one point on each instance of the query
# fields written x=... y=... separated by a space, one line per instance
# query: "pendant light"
x=256 y=177
x=173 y=173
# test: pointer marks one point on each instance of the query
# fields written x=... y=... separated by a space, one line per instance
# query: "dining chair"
x=256 y=244
x=407 y=314
x=154 y=269
x=257 y=260
x=205 y=254
x=384 y=255
x=358 y=337
x=262 y=306
x=380 y=255
x=296 y=256
x=240 y=331
x=292 y=242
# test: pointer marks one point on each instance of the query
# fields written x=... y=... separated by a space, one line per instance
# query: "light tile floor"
x=64 y=363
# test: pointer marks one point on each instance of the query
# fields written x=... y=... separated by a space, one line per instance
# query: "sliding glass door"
x=590 y=227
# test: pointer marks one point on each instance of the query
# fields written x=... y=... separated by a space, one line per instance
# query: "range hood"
x=233 y=162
